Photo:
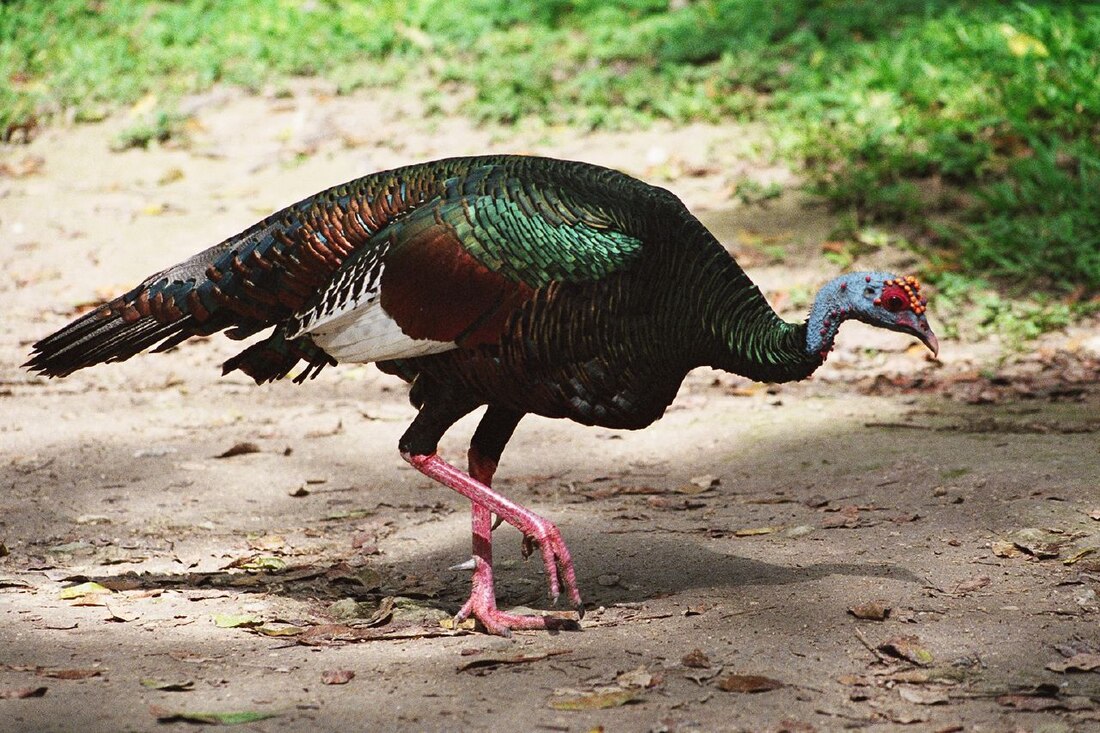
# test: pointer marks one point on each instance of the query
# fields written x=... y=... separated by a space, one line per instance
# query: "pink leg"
x=485 y=502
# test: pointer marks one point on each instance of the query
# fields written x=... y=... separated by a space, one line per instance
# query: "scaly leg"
x=485 y=501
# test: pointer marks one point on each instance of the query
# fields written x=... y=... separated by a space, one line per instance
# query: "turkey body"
x=530 y=285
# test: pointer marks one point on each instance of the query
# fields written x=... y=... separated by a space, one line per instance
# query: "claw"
x=470 y=564
x=497 y=521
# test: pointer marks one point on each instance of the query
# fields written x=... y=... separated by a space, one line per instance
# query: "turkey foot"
x=482 y=604
x=555 y=554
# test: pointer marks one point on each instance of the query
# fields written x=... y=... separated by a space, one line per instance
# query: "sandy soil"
x=730 y=539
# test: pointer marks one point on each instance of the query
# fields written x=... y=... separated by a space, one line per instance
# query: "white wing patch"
x=349 y=323
x=367 y=333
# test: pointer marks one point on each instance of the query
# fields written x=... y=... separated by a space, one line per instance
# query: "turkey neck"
x=746 y=335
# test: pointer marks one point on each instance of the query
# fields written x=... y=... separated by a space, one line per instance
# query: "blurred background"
x=966 y=134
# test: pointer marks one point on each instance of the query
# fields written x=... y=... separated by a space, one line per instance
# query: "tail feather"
x=102 y=335
x=274 y=357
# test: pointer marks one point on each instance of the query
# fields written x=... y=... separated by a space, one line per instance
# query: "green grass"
x=973 y=127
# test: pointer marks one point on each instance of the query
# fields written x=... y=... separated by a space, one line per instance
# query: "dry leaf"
x=1031 y=703
x=19 y=693
x=1038 y=543
x=1005 y=549
x=612 y=697
x=695 y=659
x=754 y=531
x=706 y=481
x=485 y=663
x=1081 y=662
x=969 y=586
x=160 y=686
x=235 y=620
x=1079 y=555
x=82 y=590
x=28 y=166
x=923 y=695
x=231 y=718
x=239 y=449
x=337 y=676
x=872 y=611
x=907 y=647
x=639 y=677
x=678 y=505
x=69 y=674
x=846 y=517
x=748 y=683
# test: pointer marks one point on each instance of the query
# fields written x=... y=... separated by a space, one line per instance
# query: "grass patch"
x=982 y=114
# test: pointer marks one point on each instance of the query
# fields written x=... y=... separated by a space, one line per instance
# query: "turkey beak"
x=929 y=339
x=923 y=331
x=915 y=324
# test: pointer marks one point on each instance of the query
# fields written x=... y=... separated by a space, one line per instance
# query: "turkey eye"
x=894 y=303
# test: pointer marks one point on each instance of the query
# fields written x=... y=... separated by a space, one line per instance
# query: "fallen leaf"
x=695 y=659
x=170 y=176
x=844 y=518
x=706 y=481
x=28 y=166
x=1043 y=697
x=639 y=677
x=69 y=674
x=1079 y=555
x=337 y=676
x=1081 y=662
x=259 y=562
x=279 y=630
x=492 y=662
x=152 y=684
x=1095 y=515
x=754 y=531
x=871 y=611
x=923 y=695
x=235 y=620
x=268 y=543
x=678 y=505
x=748 y=683
x=82 y=590
x=1005 y=549
x=1038 y=543
x=598 y=700
x=969 y=586
x=19 y=693
x=907 y=647
x=231 y=718
x=240 y=449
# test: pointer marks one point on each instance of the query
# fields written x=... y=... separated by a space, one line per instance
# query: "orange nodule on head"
x=911 y=287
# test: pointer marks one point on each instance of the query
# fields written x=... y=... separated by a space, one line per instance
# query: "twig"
x=878 y=655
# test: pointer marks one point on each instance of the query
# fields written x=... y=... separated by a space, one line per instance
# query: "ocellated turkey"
x=530 y=285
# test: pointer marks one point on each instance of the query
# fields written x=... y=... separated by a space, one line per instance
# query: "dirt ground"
x=720 y=551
